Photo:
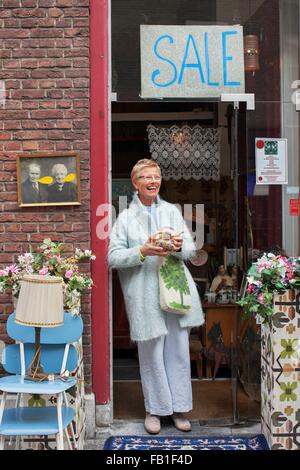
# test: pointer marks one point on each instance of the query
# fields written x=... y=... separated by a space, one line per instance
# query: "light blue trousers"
x=165 y=370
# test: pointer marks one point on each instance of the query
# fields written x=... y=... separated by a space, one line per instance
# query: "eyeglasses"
x=149 y=178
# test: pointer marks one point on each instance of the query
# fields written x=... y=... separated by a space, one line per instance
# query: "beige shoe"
x=152 y=424
x=181 y=423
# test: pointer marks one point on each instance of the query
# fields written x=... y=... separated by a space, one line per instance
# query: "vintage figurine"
x=221 y=281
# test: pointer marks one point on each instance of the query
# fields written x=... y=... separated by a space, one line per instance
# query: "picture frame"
x=48 y=179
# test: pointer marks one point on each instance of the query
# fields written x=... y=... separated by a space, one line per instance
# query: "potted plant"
x=48 y=260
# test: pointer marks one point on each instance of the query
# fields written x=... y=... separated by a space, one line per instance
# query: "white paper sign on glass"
x=271 y=161
x=191 y=61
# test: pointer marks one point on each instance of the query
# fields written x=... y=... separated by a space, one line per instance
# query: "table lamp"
x=40 y=304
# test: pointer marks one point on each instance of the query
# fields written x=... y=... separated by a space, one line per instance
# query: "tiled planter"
x=280 y=374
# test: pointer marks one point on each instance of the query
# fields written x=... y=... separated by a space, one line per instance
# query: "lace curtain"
x=186 y=152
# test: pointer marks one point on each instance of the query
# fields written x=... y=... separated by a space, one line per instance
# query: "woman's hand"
x=150 y=249
x=178 y=240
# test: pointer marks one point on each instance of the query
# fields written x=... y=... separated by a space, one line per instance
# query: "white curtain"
x=186 y=152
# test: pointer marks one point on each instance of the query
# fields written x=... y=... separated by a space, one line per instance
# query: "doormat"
x=182 y=443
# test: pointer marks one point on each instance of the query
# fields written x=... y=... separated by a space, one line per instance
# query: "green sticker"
x=271 y=147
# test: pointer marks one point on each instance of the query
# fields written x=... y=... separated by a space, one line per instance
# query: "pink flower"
x=13 y=269
x=260 y=299
x=69 y=274
x=43 y=271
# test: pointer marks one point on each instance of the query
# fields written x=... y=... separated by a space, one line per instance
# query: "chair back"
x=52 y=356
x=57 y=352
x=69 y=332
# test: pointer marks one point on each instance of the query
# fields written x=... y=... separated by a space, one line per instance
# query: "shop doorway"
x=225 y=352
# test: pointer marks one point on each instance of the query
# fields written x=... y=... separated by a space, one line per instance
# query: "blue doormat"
x=182 y=443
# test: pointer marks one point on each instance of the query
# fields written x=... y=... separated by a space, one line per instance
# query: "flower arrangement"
x=271 y=274
x=49 y=261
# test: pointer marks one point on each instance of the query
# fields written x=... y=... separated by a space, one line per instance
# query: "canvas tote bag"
x=174 y=291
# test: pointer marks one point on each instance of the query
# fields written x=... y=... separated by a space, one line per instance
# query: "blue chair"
x=57 y=356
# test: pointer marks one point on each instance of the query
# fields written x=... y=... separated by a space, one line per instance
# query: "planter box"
x=280 y=374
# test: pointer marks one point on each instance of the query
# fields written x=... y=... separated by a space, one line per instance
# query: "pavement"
x=199 y=429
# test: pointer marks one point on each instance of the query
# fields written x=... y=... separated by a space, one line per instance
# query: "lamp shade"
x=40 y=301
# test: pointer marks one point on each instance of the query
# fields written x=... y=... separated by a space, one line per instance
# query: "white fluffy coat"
x=139 y=280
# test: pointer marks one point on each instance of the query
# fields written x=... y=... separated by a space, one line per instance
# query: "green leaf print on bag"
x=173 y=277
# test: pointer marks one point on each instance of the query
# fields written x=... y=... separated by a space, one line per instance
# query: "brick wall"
x=44 y=62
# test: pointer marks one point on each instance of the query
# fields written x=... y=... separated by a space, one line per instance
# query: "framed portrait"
x=121 y=187
x=48 y=179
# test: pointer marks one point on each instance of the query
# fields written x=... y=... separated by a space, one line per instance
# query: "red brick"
x=64 y=3
x=47 y=43
x=30 y=145
x=29 y=124
x=7 y=217
x=55 y=12
x=13 y=146
x=64 y=23
x=30 y=84
x=13 y=228
x=46 y=146
x=11 y=23
x=47 y=104
x=31 y=217
x=54 y=94
x=44 y=73
x=13 y=43
x=77 y=12
x=14 y=237
x=64 y=146
x=47 y=3
x=5 y=135
x=11 y=63
x=57 y=217
x=14 y=33
x=30 y=104
x=12 y=124
x=47 y=33
x=29 y=12
x=30 y=53
x=48 y=114
x=47 y=228
x=11 y=3
x=64 y=228
x=32 y=94
x=30 y=135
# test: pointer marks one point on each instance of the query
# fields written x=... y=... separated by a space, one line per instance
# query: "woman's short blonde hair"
x=144 y=163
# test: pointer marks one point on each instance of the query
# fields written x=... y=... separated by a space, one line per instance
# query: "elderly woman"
x=162 y=338
x=61 y=190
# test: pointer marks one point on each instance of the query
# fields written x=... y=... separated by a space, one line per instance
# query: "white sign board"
x=191 y=61
x=271 y=161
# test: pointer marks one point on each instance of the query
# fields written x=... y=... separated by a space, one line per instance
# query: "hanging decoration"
x=186 y=152
x=251 y=52
x=251 y=46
